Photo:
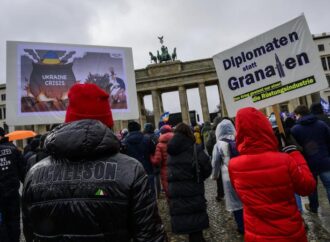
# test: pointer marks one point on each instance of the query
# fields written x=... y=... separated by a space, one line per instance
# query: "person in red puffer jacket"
x=160 y=156
x=266 y=181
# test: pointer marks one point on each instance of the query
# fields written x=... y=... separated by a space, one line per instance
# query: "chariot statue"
x=163 y=55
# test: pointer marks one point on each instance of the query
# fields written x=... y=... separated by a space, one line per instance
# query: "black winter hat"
x=133 y=126
x=316 y=108
x=149 y=128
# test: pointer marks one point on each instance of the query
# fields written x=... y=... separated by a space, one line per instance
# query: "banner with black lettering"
x=39 y=76
x=271 y=68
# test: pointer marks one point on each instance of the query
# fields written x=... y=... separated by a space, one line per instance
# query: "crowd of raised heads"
x=83 y=182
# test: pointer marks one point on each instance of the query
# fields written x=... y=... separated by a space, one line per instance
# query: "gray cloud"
x=199 y=29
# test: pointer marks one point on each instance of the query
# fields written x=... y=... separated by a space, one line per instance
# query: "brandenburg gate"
x=167 y=74
x=179 y=76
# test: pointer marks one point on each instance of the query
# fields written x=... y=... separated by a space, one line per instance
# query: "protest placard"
x=39 y=76
x=271 y=68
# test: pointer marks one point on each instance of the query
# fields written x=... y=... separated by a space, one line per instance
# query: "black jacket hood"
x=81 y=140
x=316 y=108
x=134 y=137
x=178 y=144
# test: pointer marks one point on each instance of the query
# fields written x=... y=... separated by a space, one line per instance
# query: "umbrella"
x=20 y=134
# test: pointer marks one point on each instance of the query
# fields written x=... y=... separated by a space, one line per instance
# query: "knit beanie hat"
x=88 y=101
x=133 y=126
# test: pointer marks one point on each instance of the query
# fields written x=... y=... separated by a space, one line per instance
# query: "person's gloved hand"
x=290 y=148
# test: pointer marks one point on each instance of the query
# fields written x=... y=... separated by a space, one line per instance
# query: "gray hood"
x=225 y=129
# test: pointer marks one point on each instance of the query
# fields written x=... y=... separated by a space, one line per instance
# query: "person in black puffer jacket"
x=86 y=190
x=12 y=171
x=39 y=155
x=187 y=201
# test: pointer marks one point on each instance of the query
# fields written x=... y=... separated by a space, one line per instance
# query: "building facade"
x=322 y=42
x=3 y=106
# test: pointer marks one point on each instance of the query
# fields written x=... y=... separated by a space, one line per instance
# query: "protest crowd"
x=82 y=182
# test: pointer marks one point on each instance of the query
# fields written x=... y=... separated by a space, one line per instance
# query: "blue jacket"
x=137 y=146
x=314 y=137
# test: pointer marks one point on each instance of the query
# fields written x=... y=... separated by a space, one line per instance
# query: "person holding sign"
x=266 y=181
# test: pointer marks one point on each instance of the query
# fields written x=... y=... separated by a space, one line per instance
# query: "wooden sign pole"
x=278 y=118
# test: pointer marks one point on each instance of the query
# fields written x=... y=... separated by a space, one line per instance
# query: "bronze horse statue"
x=153 y=58
x=159 y=57
x=174 y=54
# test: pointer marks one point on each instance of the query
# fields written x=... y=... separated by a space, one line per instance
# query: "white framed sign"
x=273 y=67
x=39 y=76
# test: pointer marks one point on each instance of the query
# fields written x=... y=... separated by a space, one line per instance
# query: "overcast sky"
x=197 y=28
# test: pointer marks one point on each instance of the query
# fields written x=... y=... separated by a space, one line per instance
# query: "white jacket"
x=221 y=159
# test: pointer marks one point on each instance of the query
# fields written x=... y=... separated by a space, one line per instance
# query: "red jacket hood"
x=254 y=132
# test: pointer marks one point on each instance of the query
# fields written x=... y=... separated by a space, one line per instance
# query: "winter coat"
x=323 y=118
x=220 y=160
x=197 y=135
x=186 y=197
x=138 y=146
x=313 y=136
x=12 y=170
x=160 y=158
x=34 y=159
x=151 y=140
x=210 y=141
x=266 y=181
x=87 y=191
x=205 y=131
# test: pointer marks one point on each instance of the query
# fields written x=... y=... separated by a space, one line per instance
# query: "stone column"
x=156 y=106
x=116 y=126
x=316 y=97
x=204 y=104
x=142 y=110
x=161 y=107
x=184 y=105
x=293 y=104
x=40 y=129
x=309 y=100
x=269 y=110
x=224 y=112
x=123 y=124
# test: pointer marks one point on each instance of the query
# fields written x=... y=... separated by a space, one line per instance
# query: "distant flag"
x=51 y=58
x=325 y=105
x=165 y=117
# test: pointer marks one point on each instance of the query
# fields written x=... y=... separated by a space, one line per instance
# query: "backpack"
x=233 y=152
x=210 y=141
x=202 y=167
x=206 y=135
